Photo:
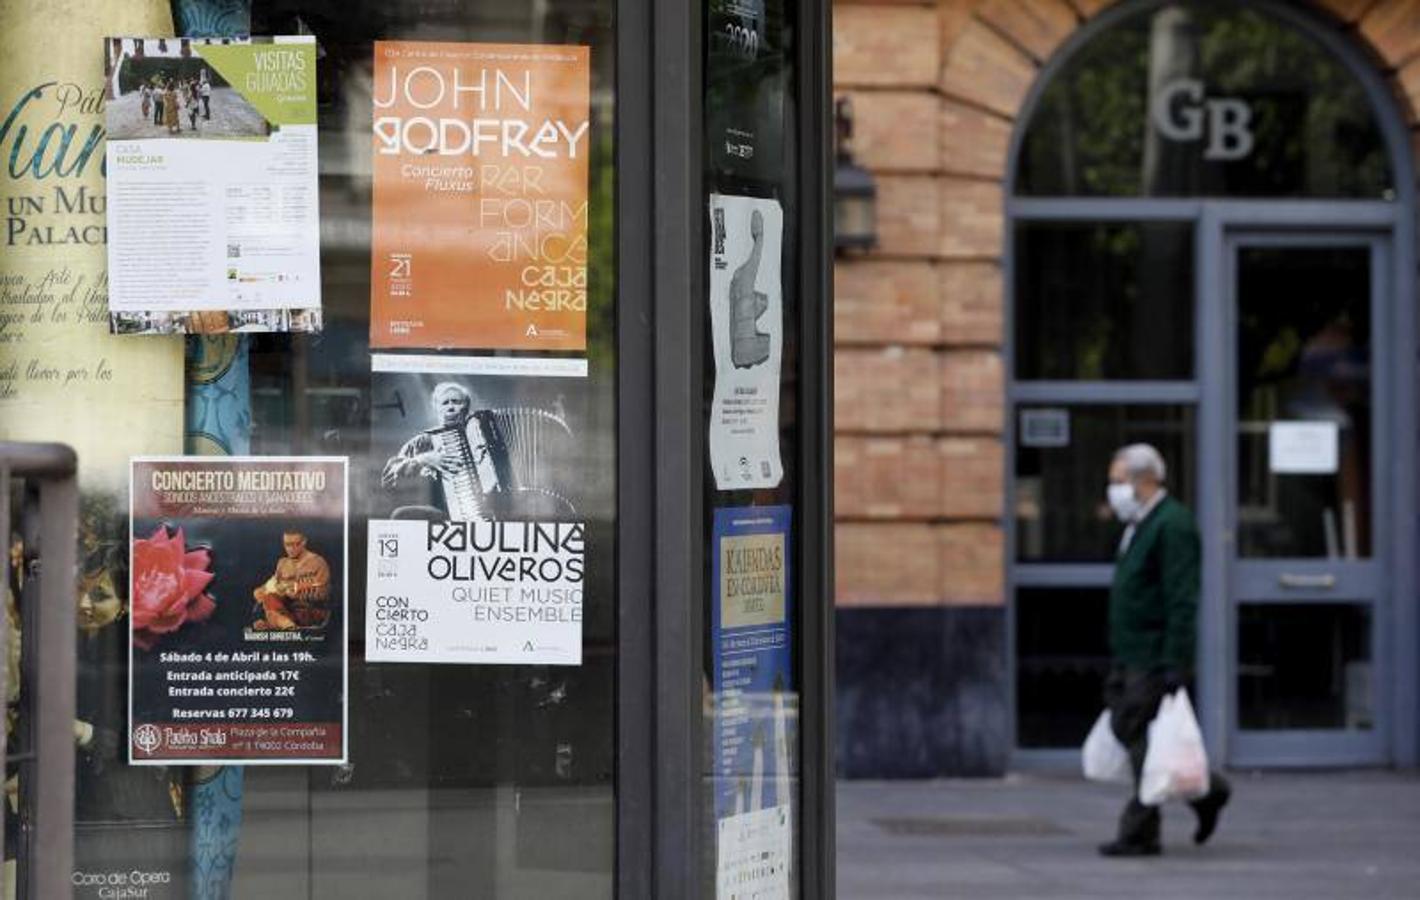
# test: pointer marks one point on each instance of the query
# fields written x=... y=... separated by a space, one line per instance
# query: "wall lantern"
x=855 y=194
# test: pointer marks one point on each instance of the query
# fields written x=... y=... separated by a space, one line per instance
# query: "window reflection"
x=1099 y=301
x=464 y=781
x=1203 y=99
x=751 y=750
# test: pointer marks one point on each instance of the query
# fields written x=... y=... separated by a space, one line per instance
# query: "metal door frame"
x=1223 y=238
x=661 y=821
x=44 y=752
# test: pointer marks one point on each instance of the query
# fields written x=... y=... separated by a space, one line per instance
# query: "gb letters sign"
x=1182 y=112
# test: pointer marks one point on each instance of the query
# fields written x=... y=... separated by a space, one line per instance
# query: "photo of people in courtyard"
x=163 y=88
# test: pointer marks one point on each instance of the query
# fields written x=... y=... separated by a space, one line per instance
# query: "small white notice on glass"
x=747 y=321
x=1302 y=448
x=752 y=859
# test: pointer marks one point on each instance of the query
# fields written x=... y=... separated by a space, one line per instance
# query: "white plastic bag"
x=1103 y=756
x=1176 y=765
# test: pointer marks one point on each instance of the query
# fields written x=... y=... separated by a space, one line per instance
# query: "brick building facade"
x=920 y=367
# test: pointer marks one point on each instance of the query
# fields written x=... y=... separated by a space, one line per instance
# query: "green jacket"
x=1153 y=602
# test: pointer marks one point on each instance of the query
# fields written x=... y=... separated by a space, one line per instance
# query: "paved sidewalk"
x=1343 y=835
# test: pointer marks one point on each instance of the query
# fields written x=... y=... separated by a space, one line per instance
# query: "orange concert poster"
x=480 y=196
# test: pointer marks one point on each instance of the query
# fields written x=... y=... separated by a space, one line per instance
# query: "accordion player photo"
x=475 y=456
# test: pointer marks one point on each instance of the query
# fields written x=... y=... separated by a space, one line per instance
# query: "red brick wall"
x=936 y=88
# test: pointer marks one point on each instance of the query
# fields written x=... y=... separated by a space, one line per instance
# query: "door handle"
x=1323 y=582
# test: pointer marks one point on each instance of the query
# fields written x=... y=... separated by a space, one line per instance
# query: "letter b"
x=1229 y=131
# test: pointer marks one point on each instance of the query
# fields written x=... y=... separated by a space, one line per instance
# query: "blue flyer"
x=756 y=695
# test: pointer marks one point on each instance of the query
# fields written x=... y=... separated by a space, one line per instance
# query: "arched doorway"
x=1210 y=247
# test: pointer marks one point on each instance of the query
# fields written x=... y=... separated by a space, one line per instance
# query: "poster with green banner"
x=212 y=207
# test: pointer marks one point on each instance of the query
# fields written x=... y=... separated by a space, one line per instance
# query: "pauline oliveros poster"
x=477 y=535
x=212 y=188
x=480 y=196
x=238 y=619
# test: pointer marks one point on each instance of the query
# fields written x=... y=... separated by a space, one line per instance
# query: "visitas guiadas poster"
x=480 y=196
x=213 y=216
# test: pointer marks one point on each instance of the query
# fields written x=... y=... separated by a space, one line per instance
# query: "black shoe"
x=1208 y=810
x=1130 y=848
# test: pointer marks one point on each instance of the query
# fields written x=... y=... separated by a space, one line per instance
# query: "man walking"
x=1153 y=608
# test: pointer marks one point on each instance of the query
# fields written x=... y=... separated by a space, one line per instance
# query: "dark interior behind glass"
x=1305 y=666
x=1097 y=301
x=1062 y=659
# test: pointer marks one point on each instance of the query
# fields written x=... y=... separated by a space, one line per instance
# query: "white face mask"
x=1123 y=501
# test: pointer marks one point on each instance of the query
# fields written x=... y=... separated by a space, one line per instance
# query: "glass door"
x=1306 y=585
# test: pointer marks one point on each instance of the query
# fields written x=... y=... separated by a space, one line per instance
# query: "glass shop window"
x=751 y=795
x=488 y=780
x=460 y=777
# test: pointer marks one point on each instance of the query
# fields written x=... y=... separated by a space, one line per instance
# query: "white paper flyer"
x=747 y=325
x=752 y=855
x=212 y=201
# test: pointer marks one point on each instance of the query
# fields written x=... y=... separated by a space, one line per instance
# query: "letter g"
x=1187 y=123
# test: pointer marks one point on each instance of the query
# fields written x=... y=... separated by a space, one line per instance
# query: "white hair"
x=445 y=387
x=1142 y=459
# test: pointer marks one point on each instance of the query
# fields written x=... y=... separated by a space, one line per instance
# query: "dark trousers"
x=206 y=107
x=1133 y=697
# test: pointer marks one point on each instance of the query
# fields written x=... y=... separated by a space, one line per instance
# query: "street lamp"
x=855 y=194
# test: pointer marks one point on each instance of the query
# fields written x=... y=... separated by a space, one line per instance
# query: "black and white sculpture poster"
x=476 y=543
x=747 y=324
